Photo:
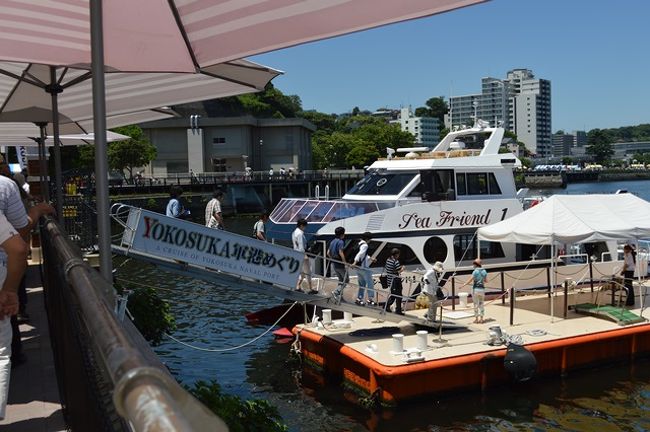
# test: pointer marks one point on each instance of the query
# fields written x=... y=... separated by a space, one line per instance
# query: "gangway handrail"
x=144 y=394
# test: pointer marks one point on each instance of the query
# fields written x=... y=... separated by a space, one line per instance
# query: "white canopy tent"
x=574 y=219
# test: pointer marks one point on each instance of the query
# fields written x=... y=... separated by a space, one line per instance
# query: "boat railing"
x=437 y=155
x=109 y=378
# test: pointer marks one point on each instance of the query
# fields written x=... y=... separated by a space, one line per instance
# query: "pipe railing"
x=115 y=362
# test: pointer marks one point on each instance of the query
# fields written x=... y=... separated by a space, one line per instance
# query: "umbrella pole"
x=101 y=158
x=45 y=187
x=54 y=89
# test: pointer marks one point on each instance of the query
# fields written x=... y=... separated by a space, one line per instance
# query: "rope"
x=220 y=350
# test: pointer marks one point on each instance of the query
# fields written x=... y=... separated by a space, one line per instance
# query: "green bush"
x=151 y=203
x=151 y=314
x=254 y=415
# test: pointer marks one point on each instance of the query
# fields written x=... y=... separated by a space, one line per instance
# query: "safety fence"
x=109 y=379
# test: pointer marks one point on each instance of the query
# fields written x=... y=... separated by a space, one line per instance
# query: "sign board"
x=195 y=244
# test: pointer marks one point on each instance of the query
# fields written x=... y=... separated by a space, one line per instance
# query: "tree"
x=567 y=160
x=435 y=107
x=361 y=154
x=599 y=145
x=87 y=156
x=132 y=153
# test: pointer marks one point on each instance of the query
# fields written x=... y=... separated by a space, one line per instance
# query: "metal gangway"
x=174 y=245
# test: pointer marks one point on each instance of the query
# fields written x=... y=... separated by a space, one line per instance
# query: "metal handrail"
x=144 y=393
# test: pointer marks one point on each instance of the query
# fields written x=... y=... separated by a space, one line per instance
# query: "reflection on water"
x=614 y=398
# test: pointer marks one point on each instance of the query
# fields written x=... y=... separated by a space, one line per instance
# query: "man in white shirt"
x=299 y=241
x=213 y=217
x=366 y=283
x=431 y=287
x=259 y=229
x=12 y=268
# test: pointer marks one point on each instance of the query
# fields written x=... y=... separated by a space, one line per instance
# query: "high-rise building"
x=579 y=138
x=562 y=144
x=565 y=144
x=462 y=109
x=426 y=130
x=520 y=103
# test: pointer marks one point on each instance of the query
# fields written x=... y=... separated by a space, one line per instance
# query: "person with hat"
x=432 y=288
x=362 y=260
x=478 y=280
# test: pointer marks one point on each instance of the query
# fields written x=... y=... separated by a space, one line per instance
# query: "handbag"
x=383 y=281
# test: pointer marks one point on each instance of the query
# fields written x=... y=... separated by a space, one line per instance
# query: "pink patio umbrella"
x=177 y=36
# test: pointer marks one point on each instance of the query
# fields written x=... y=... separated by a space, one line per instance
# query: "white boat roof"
x=445 y=155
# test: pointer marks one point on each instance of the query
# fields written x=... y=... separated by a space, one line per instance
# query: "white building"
x=530 y=111
x=520 y=103
x=426 y=130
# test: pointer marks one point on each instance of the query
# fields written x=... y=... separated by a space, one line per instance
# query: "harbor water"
x=211 y=317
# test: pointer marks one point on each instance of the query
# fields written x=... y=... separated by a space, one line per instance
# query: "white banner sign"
x=167 y=237
x=22 y=157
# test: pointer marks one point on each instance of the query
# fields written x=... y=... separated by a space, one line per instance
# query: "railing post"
x=548 y=280
x=503 y=288
x=566 y=298
x=512 y=306
x=453 y=293
x=591 y=273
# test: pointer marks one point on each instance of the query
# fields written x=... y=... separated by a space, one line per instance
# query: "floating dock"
x=363 y=356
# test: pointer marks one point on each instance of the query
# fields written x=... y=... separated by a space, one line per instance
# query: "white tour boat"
x=429 y=203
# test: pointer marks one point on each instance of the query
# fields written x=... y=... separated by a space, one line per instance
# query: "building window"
x=219 y=140
x=219 y=165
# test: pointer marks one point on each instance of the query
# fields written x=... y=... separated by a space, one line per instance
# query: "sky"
x=596 y=54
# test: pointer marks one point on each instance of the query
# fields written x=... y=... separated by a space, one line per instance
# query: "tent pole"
x=45 y=187
x=638 y=273
x=101 y=159
x=54 y=89
x=553 y=281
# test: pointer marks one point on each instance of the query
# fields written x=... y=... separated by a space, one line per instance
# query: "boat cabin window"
x=465 y=247
x=526 y=251
x=477 y=184
x=343 y=210
x=292 y=211
x=382 y=183
x=407 y=256
x=320 y=211
x=435 y=185
x=435 y=249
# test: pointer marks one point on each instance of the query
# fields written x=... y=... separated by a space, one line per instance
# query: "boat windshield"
x=382 y=183
x=290 y=210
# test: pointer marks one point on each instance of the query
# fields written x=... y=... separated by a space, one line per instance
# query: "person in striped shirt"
x=393 y=268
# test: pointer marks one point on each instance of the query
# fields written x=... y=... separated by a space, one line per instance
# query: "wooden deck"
x=34 y=404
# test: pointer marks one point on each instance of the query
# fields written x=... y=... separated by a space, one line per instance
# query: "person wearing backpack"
x=339 y=265
x=259 y=229
x=362 y=261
